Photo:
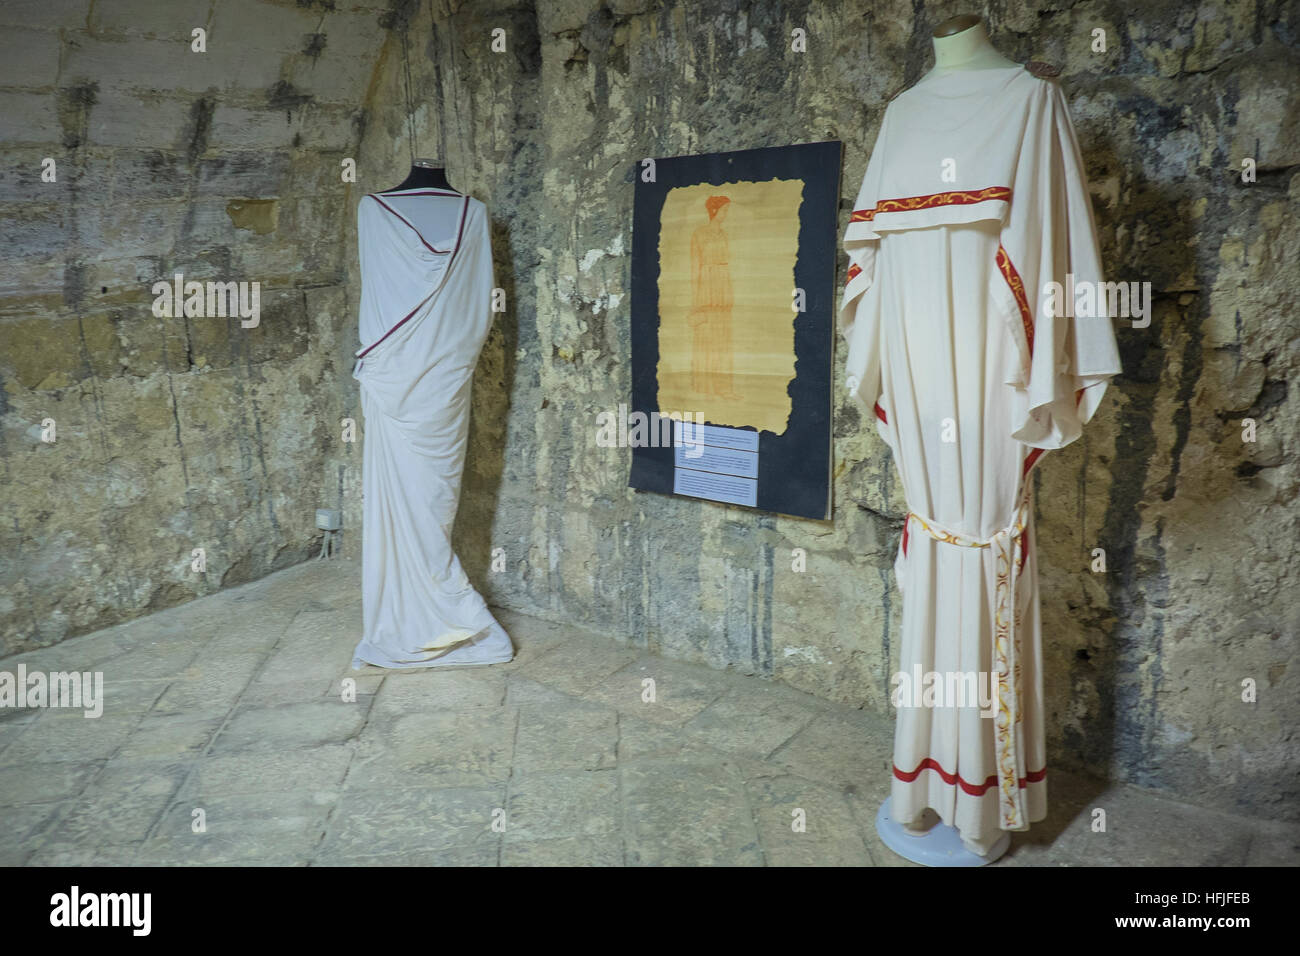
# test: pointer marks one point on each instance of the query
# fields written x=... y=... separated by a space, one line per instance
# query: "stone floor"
x=229 y=712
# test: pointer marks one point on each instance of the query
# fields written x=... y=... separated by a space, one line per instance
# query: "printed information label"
x=716 y=463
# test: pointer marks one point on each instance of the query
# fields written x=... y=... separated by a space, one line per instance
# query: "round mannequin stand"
x=932 y=843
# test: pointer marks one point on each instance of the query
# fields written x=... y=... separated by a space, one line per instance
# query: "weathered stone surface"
x=675 y=812
x=28 y=118
x=31 y=56
x=805 y=824
x=311 y=723
x=273 y=828
x=19 y=786
x=434 y=749
x=380 y=823
x=173 y=431
x=172 y=21
x=309 y=768
x=22 y=830
x=184 y=433
x=170 y=737
x=68 y=735
x=765 y=774
x=566 y=736
x=1145 y=661
x=47 y=14
x=449 y=689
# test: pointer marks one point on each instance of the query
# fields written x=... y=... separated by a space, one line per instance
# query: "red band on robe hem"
x=975 y=790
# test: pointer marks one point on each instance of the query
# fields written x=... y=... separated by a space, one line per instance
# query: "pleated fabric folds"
x=974 y=198
x=425 y=314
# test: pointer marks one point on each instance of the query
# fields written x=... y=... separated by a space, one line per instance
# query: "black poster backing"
x=794 y=469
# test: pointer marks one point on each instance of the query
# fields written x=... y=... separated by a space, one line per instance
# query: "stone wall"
x=171 y=433
x=1145 y=661
x=175 y=434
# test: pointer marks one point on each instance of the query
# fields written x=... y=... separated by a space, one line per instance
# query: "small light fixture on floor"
x=329 y=520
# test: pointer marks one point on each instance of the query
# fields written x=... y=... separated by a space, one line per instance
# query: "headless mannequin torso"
x=425 y=174
x=962 y=43
x=440 y=216
x=429 y=203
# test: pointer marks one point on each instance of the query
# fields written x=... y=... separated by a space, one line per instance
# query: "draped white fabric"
x=425 y=313
x=974 y=197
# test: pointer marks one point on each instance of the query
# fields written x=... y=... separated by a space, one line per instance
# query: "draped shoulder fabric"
x=973 y=200
x=426 y=286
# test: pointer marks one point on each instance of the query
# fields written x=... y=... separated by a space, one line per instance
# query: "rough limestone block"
x=31 y=57
x=170 y=21
x=29 y=119
x=119 y=118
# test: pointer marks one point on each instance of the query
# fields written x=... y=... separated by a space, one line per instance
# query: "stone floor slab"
x=291 y=726
x=660 y=691
x=683 y=814
x=577 y=664
x=434 y=749
x=559 y=805
x=564 y=736
x=384 y=823
x=244 y=704
x=70 y=736
x=262 y=771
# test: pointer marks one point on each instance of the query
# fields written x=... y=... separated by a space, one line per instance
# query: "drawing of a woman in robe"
x=711 y=302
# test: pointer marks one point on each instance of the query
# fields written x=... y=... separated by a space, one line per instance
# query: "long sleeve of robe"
x=974 y=199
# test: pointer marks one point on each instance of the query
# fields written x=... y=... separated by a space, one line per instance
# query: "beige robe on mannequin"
x=973 y=199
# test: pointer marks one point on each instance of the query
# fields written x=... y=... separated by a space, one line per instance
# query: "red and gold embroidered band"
x=962 y=197
x=1018 y=291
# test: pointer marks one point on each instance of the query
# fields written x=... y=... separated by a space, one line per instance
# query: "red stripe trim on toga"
x=464 y=214
x=441 y=252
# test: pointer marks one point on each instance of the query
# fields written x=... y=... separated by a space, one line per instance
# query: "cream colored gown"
x=974 y=197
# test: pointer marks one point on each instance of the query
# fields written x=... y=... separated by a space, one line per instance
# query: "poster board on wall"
x=733 y=274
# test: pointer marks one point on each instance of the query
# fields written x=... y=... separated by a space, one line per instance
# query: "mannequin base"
x=941 y=845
